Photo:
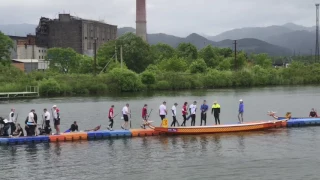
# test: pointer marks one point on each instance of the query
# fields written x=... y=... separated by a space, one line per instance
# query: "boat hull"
x=217 y=128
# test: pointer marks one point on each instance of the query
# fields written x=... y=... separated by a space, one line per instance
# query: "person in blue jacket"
x=241 y=111
x=204 y=108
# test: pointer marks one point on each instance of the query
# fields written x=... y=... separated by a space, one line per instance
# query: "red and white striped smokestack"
x=141 y=19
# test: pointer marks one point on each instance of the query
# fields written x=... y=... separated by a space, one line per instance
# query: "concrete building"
x=13 y=51
x=76 y=33
x=25 y=48
x=141 y=19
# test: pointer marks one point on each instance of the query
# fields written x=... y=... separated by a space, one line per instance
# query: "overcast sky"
x=177 y=17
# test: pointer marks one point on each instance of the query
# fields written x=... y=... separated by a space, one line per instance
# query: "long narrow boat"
x=218 y=128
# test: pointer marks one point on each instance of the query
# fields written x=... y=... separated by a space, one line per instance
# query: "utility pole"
x=115 y=48
x=121 y=55
x=317 y=53
x=95 y=56
x=235 y=54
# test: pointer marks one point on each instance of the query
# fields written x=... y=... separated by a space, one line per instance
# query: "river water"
x=275 y=154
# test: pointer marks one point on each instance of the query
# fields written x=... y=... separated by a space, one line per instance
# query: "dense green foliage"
x=5 y=45
x=156 y=67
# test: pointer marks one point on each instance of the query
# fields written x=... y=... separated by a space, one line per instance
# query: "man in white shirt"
x=31 y=124
x=174 y=115
x=47 y=117
x=125 y=114
x=12 y=121
x=163 y=110
x=193 y=109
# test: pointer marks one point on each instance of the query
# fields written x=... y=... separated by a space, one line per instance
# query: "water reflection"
x=57 y=148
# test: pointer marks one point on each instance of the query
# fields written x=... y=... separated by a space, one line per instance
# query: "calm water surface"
x=274 y=154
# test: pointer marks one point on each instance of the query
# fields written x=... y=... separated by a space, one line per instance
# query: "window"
x=42 y=57
x=42 y=50
x=39 y=56
x=85 y=37
x=39 y=51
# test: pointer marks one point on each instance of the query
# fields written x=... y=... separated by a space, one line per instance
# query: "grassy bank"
x=124 y=80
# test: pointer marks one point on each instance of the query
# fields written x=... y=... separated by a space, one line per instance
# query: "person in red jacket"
x=144 y=116
x=184 y=113
x=111 y=116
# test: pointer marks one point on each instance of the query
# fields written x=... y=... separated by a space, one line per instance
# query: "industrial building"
x=76 y=33
x=25 y=48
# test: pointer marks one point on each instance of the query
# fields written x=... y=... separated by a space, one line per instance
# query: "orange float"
x=143 y=132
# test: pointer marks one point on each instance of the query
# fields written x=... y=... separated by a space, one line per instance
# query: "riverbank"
x=123 y=80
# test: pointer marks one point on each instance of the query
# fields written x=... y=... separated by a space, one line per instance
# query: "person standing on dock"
x=56 y=119
x=241 y=111
x=144 y=116
x=163 y=110
x=31 y=123
x=193 y=109
x=111 y=116
x=184 y=113
x=12 y=121
x=216 y=112
x=125 y=113
x=204 y=108
x=174 y=115
x=47 y=118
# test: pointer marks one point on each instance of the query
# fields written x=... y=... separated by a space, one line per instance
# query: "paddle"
x=130 y=118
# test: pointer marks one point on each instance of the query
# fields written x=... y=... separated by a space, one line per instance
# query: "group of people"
x=31 y=123
x=186 y=115
x=188 y=112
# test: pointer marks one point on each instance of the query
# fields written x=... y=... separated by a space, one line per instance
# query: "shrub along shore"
x=124 y=80
x=152 y=67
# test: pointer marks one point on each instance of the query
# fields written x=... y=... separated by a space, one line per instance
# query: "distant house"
x=282 y=62
x=29 y=65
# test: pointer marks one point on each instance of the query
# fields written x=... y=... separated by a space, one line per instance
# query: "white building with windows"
x=31 y=52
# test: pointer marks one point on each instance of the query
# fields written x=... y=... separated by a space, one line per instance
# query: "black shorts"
x=47 y=123
x=162 y=117
x=125 y=118
x=144 y=118
x=56 y=122
x=110 y=119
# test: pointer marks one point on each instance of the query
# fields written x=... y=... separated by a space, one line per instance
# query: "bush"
x=148 y=78
x=123 y=80
x=49 y=87
x=198 y=66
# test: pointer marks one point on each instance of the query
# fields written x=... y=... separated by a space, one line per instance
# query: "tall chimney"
x=141 y=19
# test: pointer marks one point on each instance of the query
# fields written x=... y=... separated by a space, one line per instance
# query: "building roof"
x=26 y=60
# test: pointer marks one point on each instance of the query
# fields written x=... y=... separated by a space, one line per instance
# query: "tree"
x=225 y=52
x=64 y=60
x=174 y=64
x=262 y=60
x=6 y=45
x=85 y=64
x=162 y=51
x=198 y=66
x=187 y=51
x=225 y=64
x=136 y=53
x=209 y=55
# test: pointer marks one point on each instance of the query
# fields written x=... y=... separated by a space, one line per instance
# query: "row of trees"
x=155 y=67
